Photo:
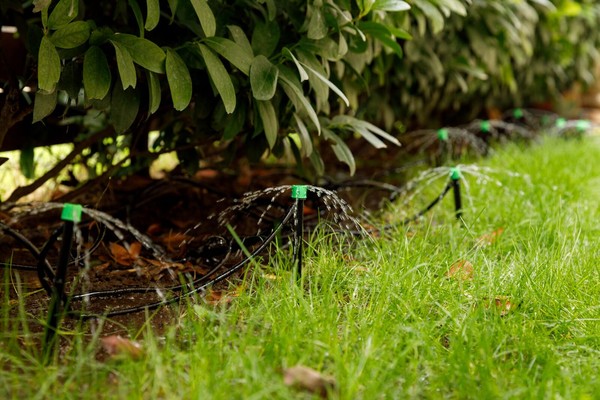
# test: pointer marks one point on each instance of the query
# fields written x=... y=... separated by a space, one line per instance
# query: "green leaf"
x=125 y=65
x=391 y=5
x=180 y=81
x=293 y=89
x=366 y=129
x=137 y=13
x=144 y=52
x=340 y=149
x=399 y=33
x=317 y=28
x=455 y=6
x=237 y=55
x=96 y=74
x=263 y=78
x=154 y=92
x=44 y=105
x=39 y=5
x=64 y=12
x=317 y=163
x=153 y=14
x=124 y=107
x=328 y=83
x=381 y=33
x=48 y=66
x=269 y=120
x=235 y=123
x=173 y=6
x=219 y=77
x=71 y=35
x=27 y=162
x=265 y=38
x=71 y=77
x=240 y=38
x=301 y=71
x=305 y=140
x=206 y=17
x=433 y=15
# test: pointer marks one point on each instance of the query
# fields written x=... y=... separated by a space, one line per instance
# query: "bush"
x=223 y=79
x=484 y=54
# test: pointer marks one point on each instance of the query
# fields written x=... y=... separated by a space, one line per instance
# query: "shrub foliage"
x=232 y=78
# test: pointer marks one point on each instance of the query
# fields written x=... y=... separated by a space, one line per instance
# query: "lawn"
x=506 y=305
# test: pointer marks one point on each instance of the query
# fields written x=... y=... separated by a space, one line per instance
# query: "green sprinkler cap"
x=299 y=191
x=455 y=173
x=443 y=134
x=518 y=113
x=485 y=126
x=583 y=125
x=71 y=212
x=560 y=123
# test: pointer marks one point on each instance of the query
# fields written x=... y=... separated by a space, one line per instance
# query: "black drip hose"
x=193 y=289
x=43 y=268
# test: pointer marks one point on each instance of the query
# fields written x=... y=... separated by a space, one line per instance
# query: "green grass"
x=382 y=317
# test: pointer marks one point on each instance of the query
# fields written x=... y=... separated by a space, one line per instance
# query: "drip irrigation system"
x=53 y=280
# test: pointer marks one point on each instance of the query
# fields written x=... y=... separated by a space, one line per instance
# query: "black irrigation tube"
x=230 y=271
x=44 y=266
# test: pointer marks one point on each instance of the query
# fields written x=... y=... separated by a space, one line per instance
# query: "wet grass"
x=383 y=317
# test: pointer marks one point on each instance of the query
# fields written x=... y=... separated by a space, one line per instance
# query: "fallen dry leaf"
x=215 y=297
x=489 y=238
x=503 y=305
x=462 y=270
x=125 y=257
x=116 y=345
x=305 y=378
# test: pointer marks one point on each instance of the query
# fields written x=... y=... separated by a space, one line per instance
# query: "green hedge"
x=244 y=77
x=496 y=54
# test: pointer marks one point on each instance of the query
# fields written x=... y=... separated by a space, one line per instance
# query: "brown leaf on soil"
x=116 y=345
x=156 y=269
x=489 y=238
x=216 y=297
x=154 y=229
x=125 y=257
x=305 y=378
x=462 y=270
x=173 y=240
x=503 y=305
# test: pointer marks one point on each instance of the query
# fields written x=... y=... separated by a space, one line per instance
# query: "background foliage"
x=223 y=81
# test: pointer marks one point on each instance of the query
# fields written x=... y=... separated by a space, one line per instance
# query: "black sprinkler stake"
x=455 y=177
x=299 y=193
x=71 y=214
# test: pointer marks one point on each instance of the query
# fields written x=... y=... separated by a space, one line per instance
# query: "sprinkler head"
x=485 y=126
x=71 y=212
x=518 y=113
x=583 y=125
x=455 y=173
x=299 y=192
x=443 y=134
